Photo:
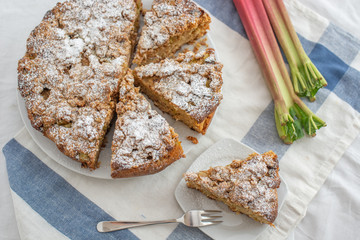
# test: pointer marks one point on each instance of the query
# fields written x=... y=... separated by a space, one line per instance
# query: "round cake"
x=76 y=67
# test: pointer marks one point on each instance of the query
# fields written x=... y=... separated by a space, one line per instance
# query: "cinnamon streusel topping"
x=165 y=24
x=70 y=73
x=165 y=19
x=250 y=183
x=191 y=81
x=142 y=136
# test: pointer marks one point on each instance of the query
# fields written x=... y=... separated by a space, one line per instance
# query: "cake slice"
x=247 y=186
x=187 y=87
x=143 y=142
x=70 y=73
x=168 y=25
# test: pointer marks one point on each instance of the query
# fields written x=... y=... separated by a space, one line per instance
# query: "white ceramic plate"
x=234 y=226
x=105 y=155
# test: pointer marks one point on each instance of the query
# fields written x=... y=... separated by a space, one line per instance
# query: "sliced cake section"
x=187 y=87
x=70 y=73
x=143 y=142
x=168 y=25
x=247 y=186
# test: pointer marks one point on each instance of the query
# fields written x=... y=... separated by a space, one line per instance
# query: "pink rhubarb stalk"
x=292 y=116
x=306 y=78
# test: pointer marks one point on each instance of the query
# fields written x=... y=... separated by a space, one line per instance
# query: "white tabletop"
x=339 y=196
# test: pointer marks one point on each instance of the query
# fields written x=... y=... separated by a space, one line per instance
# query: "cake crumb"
x=203 y=42
x=200 y=45
x=185 y=50
x=197 y=47
x=192 y=139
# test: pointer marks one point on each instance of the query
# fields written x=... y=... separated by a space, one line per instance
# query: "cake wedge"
x=143 y=142
x=168 y=25
x=246 y=186
x=187 y=87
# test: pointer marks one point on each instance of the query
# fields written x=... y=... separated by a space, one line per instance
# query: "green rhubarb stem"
x=306 y=78
x=291 y=114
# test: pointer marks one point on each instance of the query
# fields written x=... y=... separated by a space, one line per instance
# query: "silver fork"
x=192 y=218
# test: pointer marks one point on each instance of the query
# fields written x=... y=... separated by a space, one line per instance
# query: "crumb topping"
x=69 y=75
x=164 y=20
x=191 y=81
x=251 y=183
x=194 y=140
x=141 y=134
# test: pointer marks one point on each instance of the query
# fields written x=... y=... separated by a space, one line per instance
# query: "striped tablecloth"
x=52 y=202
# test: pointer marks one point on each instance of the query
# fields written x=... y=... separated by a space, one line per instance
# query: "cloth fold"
x=68 y=205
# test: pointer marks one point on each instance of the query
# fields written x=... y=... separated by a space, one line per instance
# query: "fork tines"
x=207 y=217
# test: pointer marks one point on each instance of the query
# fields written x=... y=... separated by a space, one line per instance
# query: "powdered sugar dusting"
x=70 y=73
x=142 y=136
x=191 y=81
x=167 y=26
x=164 y=19
x=251 y=183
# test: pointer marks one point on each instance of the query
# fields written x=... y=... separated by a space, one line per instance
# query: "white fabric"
x=328 y=215
x=334 y=213
x=17 y=18
x=343 y=13
x=41 y=231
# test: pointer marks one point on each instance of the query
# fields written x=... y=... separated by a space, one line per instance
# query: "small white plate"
x=234 y=226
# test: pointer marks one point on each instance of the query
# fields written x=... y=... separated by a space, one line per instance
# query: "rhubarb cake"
x=187 y=87
x=143 y=142
x=70 y=74
x=168 y=25
x=247 y=186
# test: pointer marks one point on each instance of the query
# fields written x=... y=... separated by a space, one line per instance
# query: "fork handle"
x=110 y=226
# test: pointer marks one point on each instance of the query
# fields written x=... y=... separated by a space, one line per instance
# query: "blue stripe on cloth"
x=330 y=65
x=183 y=232
x=341 y=43
x=263 y=135
x=47 y=193
x=348 y=88
x=307 y=45
x=225 y=11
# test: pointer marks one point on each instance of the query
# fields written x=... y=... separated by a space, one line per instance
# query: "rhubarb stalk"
x=292 y=116
x=306 y=78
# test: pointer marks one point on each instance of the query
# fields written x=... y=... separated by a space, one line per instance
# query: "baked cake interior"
x=168 y=25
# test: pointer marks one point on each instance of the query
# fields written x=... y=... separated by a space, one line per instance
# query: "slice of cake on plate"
x=168 y=25
x=70 y=73
x=143 y=142
x=247 y=186
x=187 y=87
